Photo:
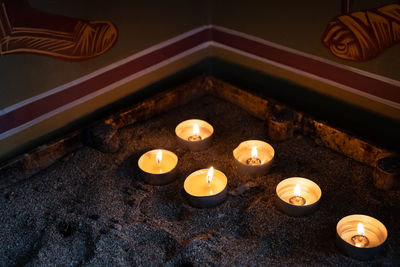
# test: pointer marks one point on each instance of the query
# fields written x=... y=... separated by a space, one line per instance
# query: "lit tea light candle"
x=253 y=160
x=297 y=196
x=194 y=134
x=254 y=157
x=361 y=236
x=206 y=188
x=360 y=240
x=158 y=166
x=297 y=199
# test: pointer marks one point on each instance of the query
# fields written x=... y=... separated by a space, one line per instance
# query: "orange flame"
x=210 y=175
x=297 y=191
x=159 y=156
x=196 y=130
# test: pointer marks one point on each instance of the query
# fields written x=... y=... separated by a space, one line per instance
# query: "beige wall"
x=142 y=24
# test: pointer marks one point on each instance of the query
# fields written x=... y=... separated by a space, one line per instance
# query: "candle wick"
x=208 y=180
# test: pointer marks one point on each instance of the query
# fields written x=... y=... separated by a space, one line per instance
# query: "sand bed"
x=92 y=208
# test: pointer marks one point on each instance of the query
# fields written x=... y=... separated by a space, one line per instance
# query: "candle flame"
x=254 y=153
x=297 y=192
x=210 y=175
x=196 y=130
x=159 y=156
x=360 y=229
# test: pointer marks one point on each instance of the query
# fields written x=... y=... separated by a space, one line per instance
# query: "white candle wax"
x=148 y=162
x=196 y=183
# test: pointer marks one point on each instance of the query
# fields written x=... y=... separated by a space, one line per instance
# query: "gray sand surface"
x=93 y=209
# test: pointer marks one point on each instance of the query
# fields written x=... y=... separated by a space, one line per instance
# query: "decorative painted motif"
x=363 y=35
x=24 y=29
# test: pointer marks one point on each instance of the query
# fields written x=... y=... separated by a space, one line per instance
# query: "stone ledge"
x=100 y=135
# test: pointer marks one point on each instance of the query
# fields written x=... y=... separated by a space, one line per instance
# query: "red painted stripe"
x=337 y=74
x=49 y=103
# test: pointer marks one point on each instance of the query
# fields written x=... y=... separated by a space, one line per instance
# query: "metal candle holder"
x=202 y=140
x=201 y=200
x=310 y=193
x=375 y=231
x=265 y=156
x=166 y=176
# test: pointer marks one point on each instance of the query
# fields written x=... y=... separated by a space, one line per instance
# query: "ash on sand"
x=91 y=208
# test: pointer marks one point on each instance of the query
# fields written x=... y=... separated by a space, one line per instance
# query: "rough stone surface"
x=93 y=209
x=255 y=105
x=387 y=173
x=342 y=142
x=103 y=137
x=322 y=133
x=281 y=124
x=24 y=166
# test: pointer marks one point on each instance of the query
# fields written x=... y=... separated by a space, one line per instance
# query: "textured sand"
x=92 y=209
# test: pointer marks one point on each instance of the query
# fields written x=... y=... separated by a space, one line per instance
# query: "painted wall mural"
x=24 y=29
x=363 y=35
